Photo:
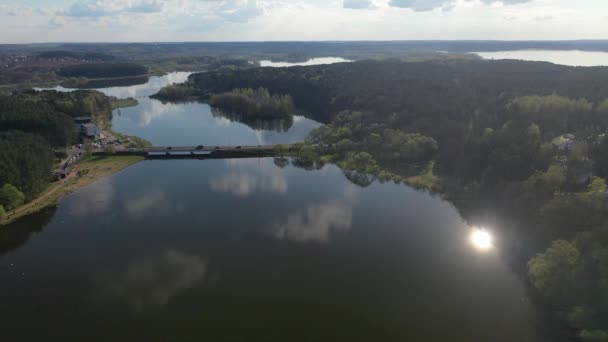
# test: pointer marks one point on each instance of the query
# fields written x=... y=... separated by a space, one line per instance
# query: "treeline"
x=413 y=91
x=87 y=56
x=104 y=70
x=254 y=102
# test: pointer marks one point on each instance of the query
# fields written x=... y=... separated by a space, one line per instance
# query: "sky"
x=41 y=21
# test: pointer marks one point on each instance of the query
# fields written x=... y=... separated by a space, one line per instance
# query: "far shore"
x=87 y=171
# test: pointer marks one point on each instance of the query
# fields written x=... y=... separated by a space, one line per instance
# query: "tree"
x=345 y=146
x=11 y=197
x=26 y=162
x=549 y=272
x=2 y=212
x=281 y=162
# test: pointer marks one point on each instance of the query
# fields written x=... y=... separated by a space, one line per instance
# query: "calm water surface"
x=251 y=250
x=243 y=250
x=312 y=61
x=567 y=57
x=195 y=123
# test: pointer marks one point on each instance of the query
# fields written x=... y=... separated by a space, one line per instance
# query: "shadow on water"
x=17 y=234
x=258 y=124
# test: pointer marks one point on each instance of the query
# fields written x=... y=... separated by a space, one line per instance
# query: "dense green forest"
x=103 y=70
x=32 y=124
x=25 y=165
x=525 y=139
x=254 y=102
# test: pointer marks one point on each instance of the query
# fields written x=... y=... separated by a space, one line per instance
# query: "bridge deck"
x=196 y=151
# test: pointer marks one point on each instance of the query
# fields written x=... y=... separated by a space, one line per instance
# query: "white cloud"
x=446 y=5
x=271 y=20
x=358 y=4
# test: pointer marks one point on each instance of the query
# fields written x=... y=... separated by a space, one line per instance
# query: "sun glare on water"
x=481 y=239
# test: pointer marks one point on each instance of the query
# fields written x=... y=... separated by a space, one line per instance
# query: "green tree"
x=11 y=197
x=2 y=212
x=345 y=145
x=549 y=272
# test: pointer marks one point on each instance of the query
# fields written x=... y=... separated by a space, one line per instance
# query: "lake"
x=312 y=61
x=567 y=57
x=254 y=250
x=245 y=250
x=195 y=123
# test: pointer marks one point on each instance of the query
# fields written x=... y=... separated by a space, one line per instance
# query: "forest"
x=103 y=70
x=526 y=139
x=32 y=125
x=254 y=102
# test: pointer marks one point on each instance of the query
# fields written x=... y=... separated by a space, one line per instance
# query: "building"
x=87 y=127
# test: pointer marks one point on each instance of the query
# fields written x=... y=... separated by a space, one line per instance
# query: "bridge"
x=196 y=152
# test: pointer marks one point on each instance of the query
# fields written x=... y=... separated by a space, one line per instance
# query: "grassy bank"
x=87 y=171
x=124 y=103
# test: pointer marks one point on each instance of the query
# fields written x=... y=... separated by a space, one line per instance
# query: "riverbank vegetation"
x=518 y=139
x=254 y=102
x=34 y=124
x=124 y=103
x=87 y=171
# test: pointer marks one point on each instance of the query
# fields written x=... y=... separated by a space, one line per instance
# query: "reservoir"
x=255 y=250
x=237 y=250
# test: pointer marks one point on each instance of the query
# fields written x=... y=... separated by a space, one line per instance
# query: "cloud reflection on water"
x=247 y=176
x=315 y=223
x=152 y=283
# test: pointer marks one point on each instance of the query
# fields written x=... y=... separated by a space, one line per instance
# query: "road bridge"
x=198 y=152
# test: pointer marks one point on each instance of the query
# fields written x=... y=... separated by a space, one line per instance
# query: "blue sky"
x=27 y=21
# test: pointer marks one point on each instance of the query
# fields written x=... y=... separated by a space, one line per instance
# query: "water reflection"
x=131 y=87
x=94 y=201
x=312 y=61
x=278 y=125
x=247 y=176
x=381 y=263
x=315 y=223
x=148 y=204
x=152 y=283
x=481 y=239
x=19 y=233
x=193 y=123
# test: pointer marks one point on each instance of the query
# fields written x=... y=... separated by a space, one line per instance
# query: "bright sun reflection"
x=481 y=239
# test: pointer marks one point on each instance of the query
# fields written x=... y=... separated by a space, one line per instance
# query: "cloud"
x=239 y=11
x=446 y=5
x=149 y=284
x=357 y=4
x=229 y=10
x=315 y=223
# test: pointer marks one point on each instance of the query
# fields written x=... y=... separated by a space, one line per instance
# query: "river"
x=254 y=250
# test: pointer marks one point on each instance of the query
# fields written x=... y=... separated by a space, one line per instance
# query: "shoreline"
x=88 y=170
